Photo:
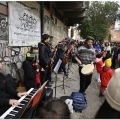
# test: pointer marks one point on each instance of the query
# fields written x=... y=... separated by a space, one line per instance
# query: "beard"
x=88 y=46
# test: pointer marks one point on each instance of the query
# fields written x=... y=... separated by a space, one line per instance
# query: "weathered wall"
x=59 y=31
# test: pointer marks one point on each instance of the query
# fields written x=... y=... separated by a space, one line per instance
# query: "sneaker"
x=101 y=95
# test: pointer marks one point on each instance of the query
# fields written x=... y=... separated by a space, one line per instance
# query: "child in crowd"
x=99 y=65
x=105 y=74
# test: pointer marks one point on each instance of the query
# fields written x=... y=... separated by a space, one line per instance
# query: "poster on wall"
x=24 y=25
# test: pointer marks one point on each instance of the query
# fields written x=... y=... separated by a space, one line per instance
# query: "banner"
x=24 y=25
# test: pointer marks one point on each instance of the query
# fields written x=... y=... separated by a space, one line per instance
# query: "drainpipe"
x=42 y=17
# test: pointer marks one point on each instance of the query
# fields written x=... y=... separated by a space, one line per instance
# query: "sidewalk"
x=94 y=102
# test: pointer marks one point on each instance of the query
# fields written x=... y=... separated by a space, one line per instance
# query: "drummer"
x=86 y=55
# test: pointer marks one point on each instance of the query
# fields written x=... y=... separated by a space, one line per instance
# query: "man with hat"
x=86 y=55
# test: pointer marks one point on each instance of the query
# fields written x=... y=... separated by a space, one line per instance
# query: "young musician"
x=29 y=71
x=50 y=47
x=86 y=56
x=8 y=94
x=44 y=56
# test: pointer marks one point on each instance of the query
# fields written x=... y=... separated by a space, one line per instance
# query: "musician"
x=51 y=49
x=29 y=71
x=86 y=56
x=44 y=56
x=8 y=94
x=60 y=55
x=34 y=49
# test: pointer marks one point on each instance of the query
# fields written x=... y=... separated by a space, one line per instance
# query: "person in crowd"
x=60 y=55
x=8 y=95
x=114 y=56
x=97 y=47
x=110 y=109
x=44 y=56
x=118 y=55
x=54 y=109
x=30 y=71
x=99 y=65
x=86 y=56
x=105 y=74
x=107 y=48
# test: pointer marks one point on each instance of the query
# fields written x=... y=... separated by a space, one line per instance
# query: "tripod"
x=63 y=85
x=68 y=69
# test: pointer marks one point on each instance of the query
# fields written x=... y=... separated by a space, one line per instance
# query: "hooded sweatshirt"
x=105 y=75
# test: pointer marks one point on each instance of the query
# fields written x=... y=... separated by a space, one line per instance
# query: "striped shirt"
x=86 y=55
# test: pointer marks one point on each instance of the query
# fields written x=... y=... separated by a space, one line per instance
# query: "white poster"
x=24 y=25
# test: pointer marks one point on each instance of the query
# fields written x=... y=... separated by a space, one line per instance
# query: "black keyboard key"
x=12 y=112
x=17 y=109
x=9 y=117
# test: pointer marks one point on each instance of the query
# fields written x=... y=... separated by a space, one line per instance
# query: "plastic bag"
x=69 y=102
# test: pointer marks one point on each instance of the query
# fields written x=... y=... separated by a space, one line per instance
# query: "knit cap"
x=112 y=93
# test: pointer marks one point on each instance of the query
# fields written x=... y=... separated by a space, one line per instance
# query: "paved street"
x=73 y=82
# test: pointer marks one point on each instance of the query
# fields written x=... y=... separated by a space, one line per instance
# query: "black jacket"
x=60 y=53
x=29 y=75
x=6 y=90
x=114 y=52
x=44 y=54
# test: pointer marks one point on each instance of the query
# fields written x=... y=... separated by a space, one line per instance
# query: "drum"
x=87 y=69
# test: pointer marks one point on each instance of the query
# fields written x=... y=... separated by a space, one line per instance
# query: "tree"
x=101 y=15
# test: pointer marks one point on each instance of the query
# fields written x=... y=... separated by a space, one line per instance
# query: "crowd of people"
x=43 y=57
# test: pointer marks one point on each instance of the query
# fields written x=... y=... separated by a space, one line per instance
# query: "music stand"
x=56 y=71
x=68 y=68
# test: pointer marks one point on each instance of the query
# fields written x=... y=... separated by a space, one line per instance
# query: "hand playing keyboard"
x=14 y=102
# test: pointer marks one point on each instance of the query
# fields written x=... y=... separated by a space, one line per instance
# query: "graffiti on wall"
x=28 y=22
x=3 y=50
x=3 y=27
x=46 y=24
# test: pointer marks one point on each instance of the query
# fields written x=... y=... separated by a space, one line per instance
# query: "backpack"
x=12 y=81
x=79 y=101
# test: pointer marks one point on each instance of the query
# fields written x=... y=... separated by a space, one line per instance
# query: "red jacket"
x=99 y=65
x=105 y=75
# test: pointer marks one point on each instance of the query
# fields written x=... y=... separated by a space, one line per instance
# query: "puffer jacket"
x=105 y=75
x=44 y=54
